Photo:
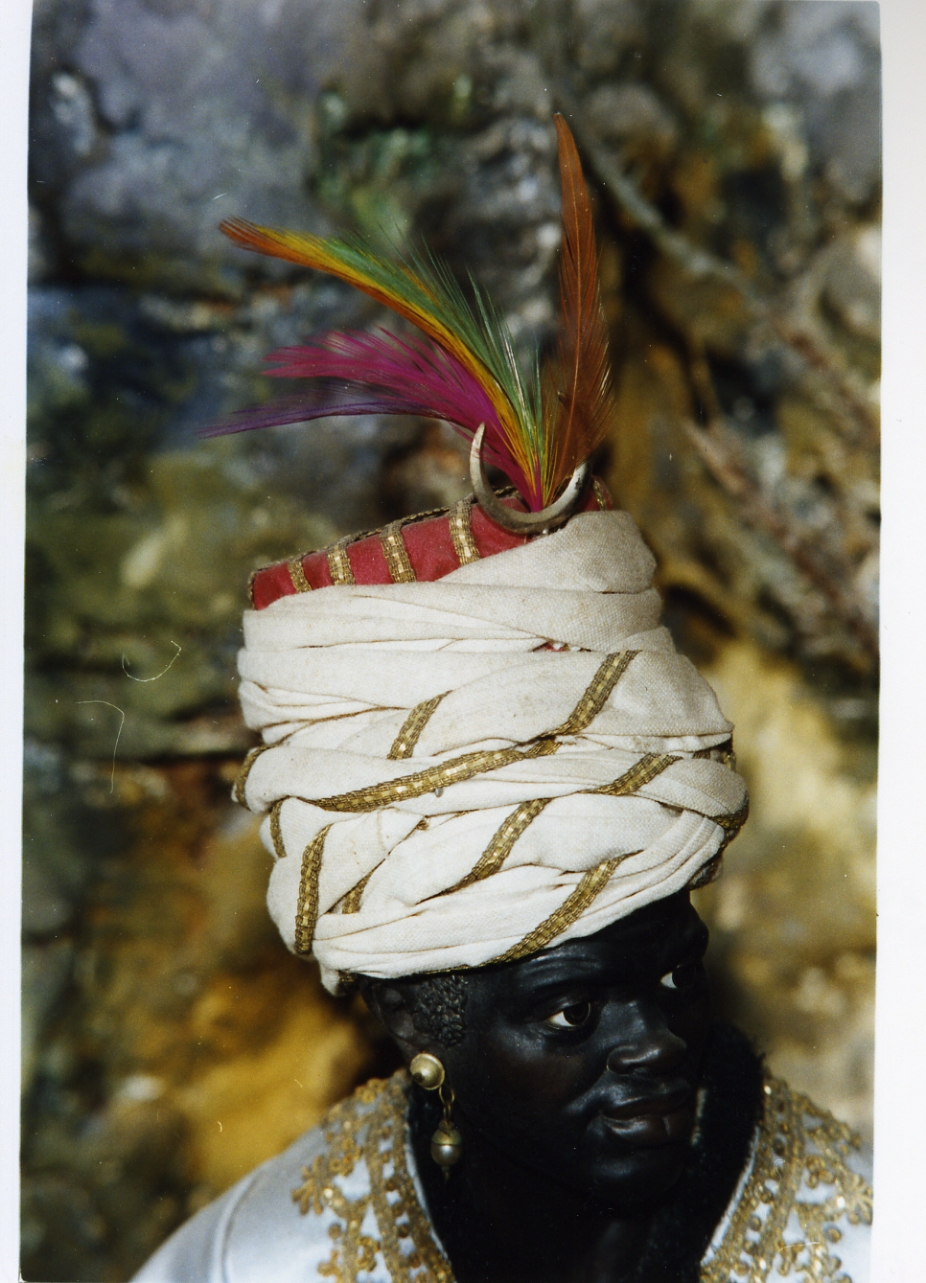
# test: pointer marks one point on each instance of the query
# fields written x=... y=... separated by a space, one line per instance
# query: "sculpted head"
x=581 y=1061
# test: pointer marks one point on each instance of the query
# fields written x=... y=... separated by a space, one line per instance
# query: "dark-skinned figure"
x=489 y=783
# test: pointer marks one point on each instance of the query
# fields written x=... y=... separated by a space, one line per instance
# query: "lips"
x=648 y=1121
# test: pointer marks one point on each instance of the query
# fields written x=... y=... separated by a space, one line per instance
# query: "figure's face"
x=583 y=1061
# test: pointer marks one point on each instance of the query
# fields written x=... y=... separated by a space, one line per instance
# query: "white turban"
x=466 y=771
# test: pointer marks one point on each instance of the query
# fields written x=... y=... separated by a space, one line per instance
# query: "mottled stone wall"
x=170 y=1043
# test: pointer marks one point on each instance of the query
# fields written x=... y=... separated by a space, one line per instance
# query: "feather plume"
x=400 y=376
x=577 y=396
x=462 y=367
x=423 y=291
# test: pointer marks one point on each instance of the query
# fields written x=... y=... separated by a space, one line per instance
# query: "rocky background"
x=170 y=1042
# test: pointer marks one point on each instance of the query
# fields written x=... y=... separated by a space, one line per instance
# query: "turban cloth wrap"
x=469 y=770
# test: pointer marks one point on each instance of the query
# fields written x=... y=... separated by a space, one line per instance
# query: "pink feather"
x=379 y=373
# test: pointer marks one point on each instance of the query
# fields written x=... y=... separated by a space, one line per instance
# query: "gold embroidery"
x=495 y=854
x=352 y=900
x=339 y=563
x=596 y=696
x=592 y=884
x=371 y=1126
x=461 y=532
x=600 y=497
x=307 y=903
x=242 y=776
x=648 y=767
x=513 y=825
x=396 y=554
x=722 y=753
x=589 y=706
x=401 y=1219
x=297 y=575
x=435 y=777
x=411 y=728
x=790 y=1152
x=352 y=1251
x=731 y=824
x=276 y=832
x=499 y=848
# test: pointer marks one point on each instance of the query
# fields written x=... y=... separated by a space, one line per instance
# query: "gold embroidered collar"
x=796 y=1144
x=371 y=1126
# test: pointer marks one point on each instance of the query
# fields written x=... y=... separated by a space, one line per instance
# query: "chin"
x=637 y=1178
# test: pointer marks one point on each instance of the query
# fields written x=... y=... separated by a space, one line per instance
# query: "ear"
x=390 y=1006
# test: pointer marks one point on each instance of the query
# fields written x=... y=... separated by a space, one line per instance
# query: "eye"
x=571 y=1017
x=682 y=977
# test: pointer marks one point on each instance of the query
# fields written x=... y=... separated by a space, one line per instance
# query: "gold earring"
x=427 y=1071
x=446 y=1143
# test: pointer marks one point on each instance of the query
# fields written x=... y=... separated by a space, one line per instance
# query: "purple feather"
x=379 y=373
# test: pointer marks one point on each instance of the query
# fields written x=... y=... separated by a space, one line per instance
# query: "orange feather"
x=578 y=400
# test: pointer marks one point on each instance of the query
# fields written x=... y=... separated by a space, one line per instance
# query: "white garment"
x=586 y=801
x=817 y=1207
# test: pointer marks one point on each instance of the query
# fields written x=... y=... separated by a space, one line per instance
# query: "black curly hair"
x=438 y=1007
x=436 y=1003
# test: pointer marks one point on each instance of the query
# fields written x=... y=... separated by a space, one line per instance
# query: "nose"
x=645 y=1044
